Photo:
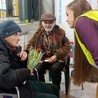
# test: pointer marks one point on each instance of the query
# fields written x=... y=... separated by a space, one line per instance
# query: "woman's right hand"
x=23 y=55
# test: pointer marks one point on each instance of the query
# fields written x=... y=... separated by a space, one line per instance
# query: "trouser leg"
x=38 y=86
x=56 y=73
x=44 y=95
x=54 y=89
x=41 y=68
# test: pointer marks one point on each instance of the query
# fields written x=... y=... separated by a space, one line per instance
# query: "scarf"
x=46 y=42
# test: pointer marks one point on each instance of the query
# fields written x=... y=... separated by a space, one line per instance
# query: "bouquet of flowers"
x=33 y=58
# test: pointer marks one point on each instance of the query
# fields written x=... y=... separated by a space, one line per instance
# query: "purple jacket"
x=88 y=32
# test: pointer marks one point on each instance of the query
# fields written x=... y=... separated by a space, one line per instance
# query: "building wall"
x=46 y=6
x=15 y=8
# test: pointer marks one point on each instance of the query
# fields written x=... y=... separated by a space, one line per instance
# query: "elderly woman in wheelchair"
x=13 y=68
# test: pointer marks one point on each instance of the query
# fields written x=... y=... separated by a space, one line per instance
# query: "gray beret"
x=48 y=17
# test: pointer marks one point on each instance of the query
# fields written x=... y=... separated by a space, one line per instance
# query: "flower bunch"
x=33 y=58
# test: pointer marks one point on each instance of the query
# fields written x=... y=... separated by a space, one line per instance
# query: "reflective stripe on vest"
x=92 y=15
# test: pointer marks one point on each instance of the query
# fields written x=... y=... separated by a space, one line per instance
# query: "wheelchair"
x=9 y=95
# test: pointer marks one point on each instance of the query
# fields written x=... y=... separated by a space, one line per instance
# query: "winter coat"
x=63 y=45
x=13 y=72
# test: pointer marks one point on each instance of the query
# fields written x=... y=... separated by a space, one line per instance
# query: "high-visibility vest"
x=94 y=16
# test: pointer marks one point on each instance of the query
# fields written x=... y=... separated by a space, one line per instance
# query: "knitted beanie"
x=48 y=17
x=8 y=28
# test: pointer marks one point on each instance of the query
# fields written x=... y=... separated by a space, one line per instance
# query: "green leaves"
x=33 y=58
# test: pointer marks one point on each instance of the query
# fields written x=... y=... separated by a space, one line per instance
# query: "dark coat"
x=13 y=72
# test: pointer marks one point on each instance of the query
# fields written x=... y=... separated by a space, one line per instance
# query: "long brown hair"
x=82 y=69
x=79 y=7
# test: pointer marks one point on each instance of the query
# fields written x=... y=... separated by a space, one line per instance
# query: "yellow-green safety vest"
x=92 y=15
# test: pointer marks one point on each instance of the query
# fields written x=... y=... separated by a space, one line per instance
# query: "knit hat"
x=8 y=28
x=48 y=17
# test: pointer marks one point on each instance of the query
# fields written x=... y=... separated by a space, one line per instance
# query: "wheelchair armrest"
x=18 y=93
x=10 y=95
